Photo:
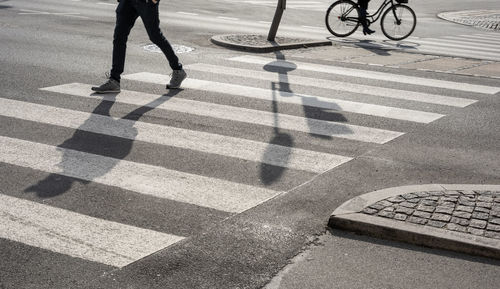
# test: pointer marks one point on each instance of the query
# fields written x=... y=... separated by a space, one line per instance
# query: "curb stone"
x=259 y=43
x=462 y=218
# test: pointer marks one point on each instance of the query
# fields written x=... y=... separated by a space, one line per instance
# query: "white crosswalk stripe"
x=489 y=49
x=301 y=99
x=336 y=85
x=459 y=42
x=477 y=46
x=117 y=244
x=171 y=136
x=480 y=46
x=232 y=113
x=370 y=74
x=142 y=178
x=77 y=235
x=292 y=4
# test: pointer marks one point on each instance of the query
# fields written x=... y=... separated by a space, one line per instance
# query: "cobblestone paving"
x=487 y=19
x=473 y=212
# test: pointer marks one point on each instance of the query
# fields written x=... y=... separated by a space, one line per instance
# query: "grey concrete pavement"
x=462 y=218
x=339 y=260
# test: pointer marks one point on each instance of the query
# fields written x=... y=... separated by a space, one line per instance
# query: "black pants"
x=126 y=14
x=363 y=4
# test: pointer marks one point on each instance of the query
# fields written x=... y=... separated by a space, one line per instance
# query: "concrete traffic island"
x=259 y=43
x=462 y=218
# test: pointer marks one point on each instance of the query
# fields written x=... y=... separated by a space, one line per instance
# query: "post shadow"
x=72 y=163
x=270 y=173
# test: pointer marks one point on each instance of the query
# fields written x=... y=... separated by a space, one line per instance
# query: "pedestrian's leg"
x=150 y=16
x=126 y=15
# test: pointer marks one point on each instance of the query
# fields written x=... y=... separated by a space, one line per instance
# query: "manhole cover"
x=177 y=48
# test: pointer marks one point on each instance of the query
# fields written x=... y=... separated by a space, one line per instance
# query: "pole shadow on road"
x=74 y=163
x=270 y=173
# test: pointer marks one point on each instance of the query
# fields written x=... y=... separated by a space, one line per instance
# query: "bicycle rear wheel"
x=342 y=18
x=398 y=22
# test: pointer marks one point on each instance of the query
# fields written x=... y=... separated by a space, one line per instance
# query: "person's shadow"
x=77 y=166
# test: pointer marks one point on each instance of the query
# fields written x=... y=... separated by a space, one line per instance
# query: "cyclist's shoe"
x=177 y=77
x=364 y=22
x=367 y=30
x=109 y=86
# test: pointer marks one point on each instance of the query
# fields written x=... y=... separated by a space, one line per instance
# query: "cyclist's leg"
x=363 y=6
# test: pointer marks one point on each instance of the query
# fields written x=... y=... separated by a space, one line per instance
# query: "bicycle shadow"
x=379 y=47
x=76 y=166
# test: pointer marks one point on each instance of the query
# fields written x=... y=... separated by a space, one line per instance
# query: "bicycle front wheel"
x=342 y=18
x=398 y=22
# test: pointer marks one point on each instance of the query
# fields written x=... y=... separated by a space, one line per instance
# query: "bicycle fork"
x=398 y=19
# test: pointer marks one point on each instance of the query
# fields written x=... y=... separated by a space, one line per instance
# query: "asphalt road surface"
x=220 y=184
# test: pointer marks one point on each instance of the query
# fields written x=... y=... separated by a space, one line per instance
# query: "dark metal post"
x=276 y=20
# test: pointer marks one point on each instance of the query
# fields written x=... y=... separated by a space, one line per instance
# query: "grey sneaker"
x=177 y=77
x=109 y=86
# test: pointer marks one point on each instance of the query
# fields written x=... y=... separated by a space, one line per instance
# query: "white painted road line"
x=187 y=13
x=66 y=14
x=473 y=47
x=255 y=151
x=228 y=18
x=294 y=98
x=487 y=39
x=141 y=178
x=335 y=85
x=311 y=27
x=455 y=52
x=313 y=126
x=369 y=74
x=26 y=11
x=77 y=235
x=489 y=35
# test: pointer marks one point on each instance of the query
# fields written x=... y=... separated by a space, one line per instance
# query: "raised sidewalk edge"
x=264 y=46
x=349 y=217
x=485 y=19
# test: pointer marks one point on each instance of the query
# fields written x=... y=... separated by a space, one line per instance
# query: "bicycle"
x=398 y=20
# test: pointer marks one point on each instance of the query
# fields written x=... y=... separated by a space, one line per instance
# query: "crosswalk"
x=477 y=46
x=292 y=4
x=259 y=96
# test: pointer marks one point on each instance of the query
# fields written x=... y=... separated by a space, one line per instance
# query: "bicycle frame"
x=375 y=16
